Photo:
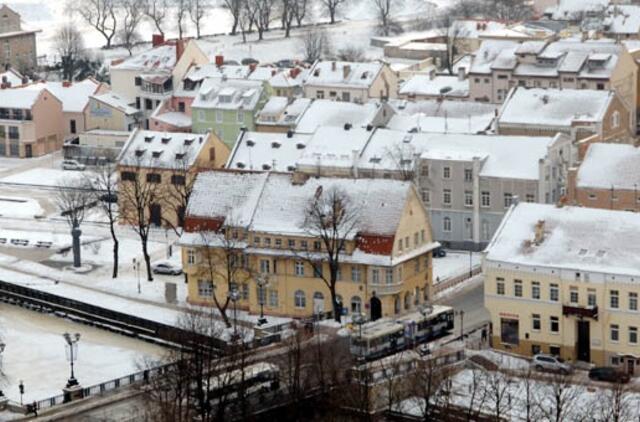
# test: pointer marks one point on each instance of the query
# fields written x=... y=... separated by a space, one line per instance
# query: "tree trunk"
x=75 y=234
x=147 y=259
x=332 y=13
x=115 y=252
x=234 y=27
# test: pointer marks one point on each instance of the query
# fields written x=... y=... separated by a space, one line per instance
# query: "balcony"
x=386 y=289
x=580 y=311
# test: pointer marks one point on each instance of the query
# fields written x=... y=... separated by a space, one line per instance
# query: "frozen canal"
x=35 y=354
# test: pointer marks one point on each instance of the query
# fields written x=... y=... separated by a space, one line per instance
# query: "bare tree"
x=197 y=11
x=181 y=10
x=384 y=10
x=404 y=158
x=558 y=399
x=351 y=53
x=287 y=15
x=100 y=14
x=261 y=10
x=509 y=10
x=315 y=43
x=332 y=218
x=73 y=199
x=104 y=188
x=69 y=45
x=477 y=396
x=332 y=7
x=132 y=14
x=246 y=18
x=300 y=10
x=176 y=196
x=617 y=404
x=497 y=389
x=452 y=30
x=425 y=383
x=156 y=11
x=528 y=396
x=235 y=7
x=137 y=197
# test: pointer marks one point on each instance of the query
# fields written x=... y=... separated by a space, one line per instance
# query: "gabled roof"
x=157 y=59
x=610 y=166
x=167 y=150
x=445 y=86
x=346 y=74
x=22 y=97
x=264 y=151
x=114 y=100
x=74 y=96
x=217 y=93
x=337 y=113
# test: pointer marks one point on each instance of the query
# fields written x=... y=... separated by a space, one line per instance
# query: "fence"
x=452 y=281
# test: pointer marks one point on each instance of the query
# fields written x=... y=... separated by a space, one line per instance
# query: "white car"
x=72 y=165
x=166 y=268
x=550 y=363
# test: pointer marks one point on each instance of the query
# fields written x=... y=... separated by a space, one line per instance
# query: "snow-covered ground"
x=35 y=354
x=18 y=207
x=454 y=264
x=44 y=177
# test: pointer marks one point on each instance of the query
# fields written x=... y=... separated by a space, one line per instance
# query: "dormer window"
x=266 y=167
x=140 y=152
x=156 y=154
x=275 y=144
x=300 y=146
x=240 y=165
x=166 y=140
x=188 y=142
x=148 y=139
x=375 y=160
x=179 y=155
x=251 y=143
x=316 y=73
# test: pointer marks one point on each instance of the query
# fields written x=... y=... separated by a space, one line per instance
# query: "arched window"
x=356 y=305
x=446 y=224
x=407 y=300
x=318 y=303
x=300 y=300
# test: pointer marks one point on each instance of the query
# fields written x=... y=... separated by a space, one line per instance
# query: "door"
x=155 y=216
x=631 y=363
x=583 y=343
x=28 y=151
x=376 y=308
x=72 y=127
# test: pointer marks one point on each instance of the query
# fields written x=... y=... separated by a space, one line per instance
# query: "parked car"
x=550 y=363
x=110 y=198
x=166 y=268
x=286 y=63
x=249 y=60
x=72 y=165
x=439 y=252
x=609 y=374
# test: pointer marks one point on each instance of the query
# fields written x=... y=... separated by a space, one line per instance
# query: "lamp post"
x=234 y=295
x=72 y=355
x=262 y=282
x=461 y=314
x=21 y=388
x=136 y=269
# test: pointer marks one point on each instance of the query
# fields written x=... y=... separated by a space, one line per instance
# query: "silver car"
x=72 y=165
x=550 y=363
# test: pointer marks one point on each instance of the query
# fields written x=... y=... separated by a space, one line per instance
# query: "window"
x=240 y=116
x=265 y=266
x=535 y=322
x=375 y=276
x=262 y=295
x=278 y=243
x=388 y=276
x=256 y=240
x=299 y=268
x=299 y=300
x=355 y=273
x=148 y=104
x=346 y=96
x=205 y=288
x=615 y=119
x=181 y=107
x=509 y=331
x=178 y=180
x=267 y=241
x=317 y=245
x=201 y=115
x=500 y=286
x=573 y=295
x=614 y=332
x=554 y=324
x=273 y=298
x=291 y=243
x=485 y=199
x=400 y=245
x=529 y=197
x=633 y=301
x=417 y=265
x=517 y=288
x=446 y=196
x=14 y=133
x=535 y=290
x=303 y=244
x=446 y=224
x=356 y=305
x=446 y=172
x=614 y=300
x=633 y=335
x=424 y=170
x=468 y=199
x=591 y=298
x=128 y=176
x=219 y=116
x=554 y=292
x=426 y=196
x=245 y=291
x=319 y=95
x=508 y=200
x=154 y=178
x=416 y=239
x=422 y=237
x=536 y=349
x=600 y=86
x=191 y=256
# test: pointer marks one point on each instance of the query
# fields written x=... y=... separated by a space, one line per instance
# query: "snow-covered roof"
x=452 y=123
x=11 y=76
x=158 y=59
x=114 y=100
x=607 y=166
x=499 y=51
x=168 y=150
x=345 y=74
x=509 y=157
x=174 y=118
x=272 y=203
x=228 y=94
x=554 y=107
x=285 y=78
x=262 y=73
x=265 y=151
x=622 y=20
x=210 y=70
x=21 y=97
x=74 y=97
x=335 y=147
x=278 y=111
x=575 y=238
x=572 y=10
x=334 y=113
x=445 y=86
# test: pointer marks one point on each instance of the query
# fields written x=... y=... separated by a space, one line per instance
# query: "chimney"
x=157 y=39
x=66 y=84
x=3 y=86
x=273 y=72
x=539 y=232
x=333 y=66
x=252 y=67
x=462 y=73
x=294 y=72
x=180 y=46
x=219 y=60
x=346 y=70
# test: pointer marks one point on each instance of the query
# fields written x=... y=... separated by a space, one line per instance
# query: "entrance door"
x=28 y=151
x=583 y=343
x=376 y=308
x=155 y=217
x=631 y=363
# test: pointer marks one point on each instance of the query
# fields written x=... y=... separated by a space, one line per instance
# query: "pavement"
x=469 y=298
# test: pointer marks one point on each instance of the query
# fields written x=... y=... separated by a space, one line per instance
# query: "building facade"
x=17 y=46
x=563 y=280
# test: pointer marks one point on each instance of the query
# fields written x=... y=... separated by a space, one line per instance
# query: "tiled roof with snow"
x=21 y=97
x=607 y=166
x=74 y=97
x=263 y=151
x=346 y=74
x=575 y=238
x=335 y=113
x=229 y=94
x=453 y=123
x=166 y=150
x=571 y=10
x=285 y=79
x=278 y=112
x=335 y=147
x=115 y=101
x=271 y=203
x=554 y=107
x=158 y=59
x=445 y=86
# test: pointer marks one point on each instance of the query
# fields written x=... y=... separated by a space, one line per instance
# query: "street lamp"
x=461 y=314
x=21 y=388
x=262 y=282
x=136 y=269
x=234 y=296
x=72 y=355
x=359 y=320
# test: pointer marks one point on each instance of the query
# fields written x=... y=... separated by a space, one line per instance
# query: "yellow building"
x=385 y=267
x=564 y=280
x=157 y=171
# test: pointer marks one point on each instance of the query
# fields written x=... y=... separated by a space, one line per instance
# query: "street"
x=470 y=300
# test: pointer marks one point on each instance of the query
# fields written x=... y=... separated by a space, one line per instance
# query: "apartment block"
x=17 y=45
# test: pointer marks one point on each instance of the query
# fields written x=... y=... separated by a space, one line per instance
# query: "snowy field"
x=454 y=264
x=35 y=354
x=44 y=177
